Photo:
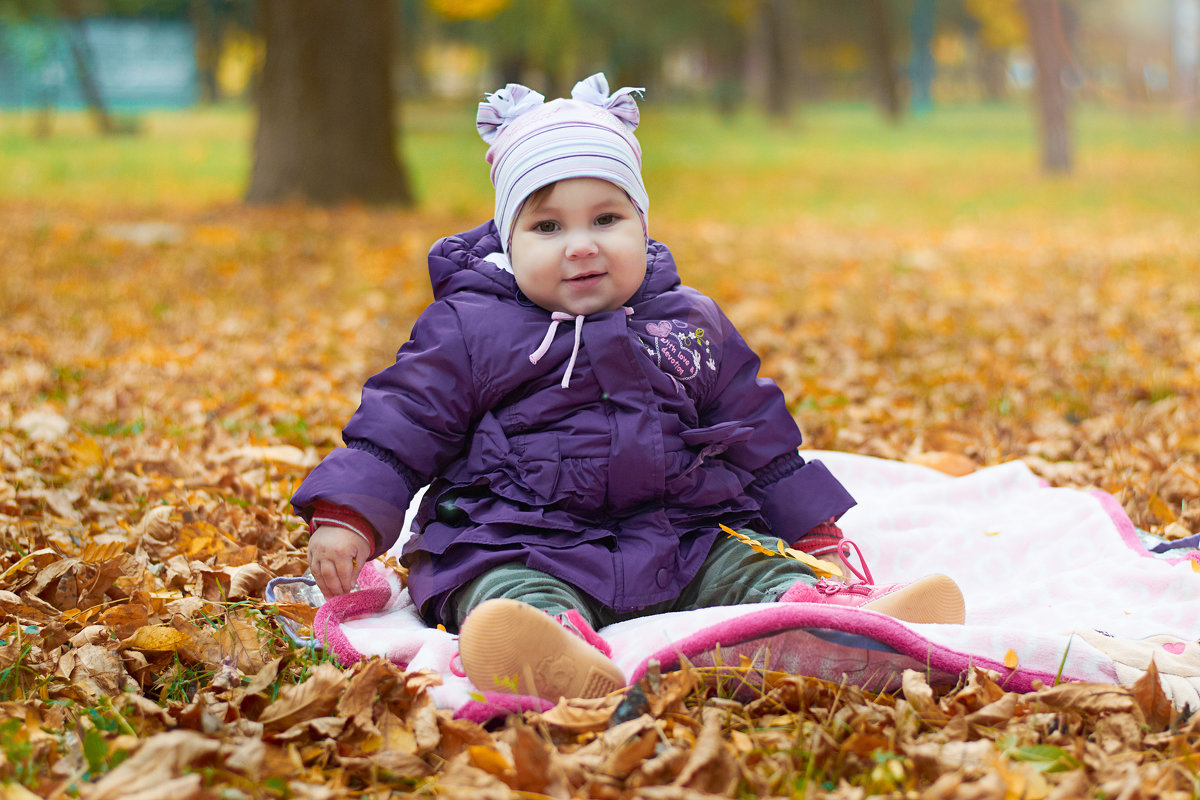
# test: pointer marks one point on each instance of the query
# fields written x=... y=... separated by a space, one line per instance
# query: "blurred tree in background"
x=326 y=130
x=1048 y=23
x=326 y=79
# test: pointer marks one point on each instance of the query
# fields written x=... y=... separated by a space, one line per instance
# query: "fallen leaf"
x=153 y=770
x=1151 y=700
x=578 y=714
x=954 y=464
x=711 y=767
x=155 y=639
x=247 y=581
x=488 y=759
x=315 y=697
x=43 y=425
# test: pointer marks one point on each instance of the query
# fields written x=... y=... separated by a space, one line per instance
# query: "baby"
x=585 y=424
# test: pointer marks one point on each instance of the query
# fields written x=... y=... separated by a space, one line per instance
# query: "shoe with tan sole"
x=934 y=598
x=512 y=647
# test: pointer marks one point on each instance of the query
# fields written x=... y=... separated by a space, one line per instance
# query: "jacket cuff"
x=358 y=480
x=777 y=469
x=802 y=499
x=342 y=517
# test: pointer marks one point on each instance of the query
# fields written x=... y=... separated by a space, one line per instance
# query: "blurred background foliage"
x=783 y=61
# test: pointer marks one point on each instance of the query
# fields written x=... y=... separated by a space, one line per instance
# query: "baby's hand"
x=336 y=556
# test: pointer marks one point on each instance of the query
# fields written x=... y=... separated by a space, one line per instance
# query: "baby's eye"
x=546 y=226
x=606 y=219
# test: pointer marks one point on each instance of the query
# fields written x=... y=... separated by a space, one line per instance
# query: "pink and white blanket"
x=1056 y=582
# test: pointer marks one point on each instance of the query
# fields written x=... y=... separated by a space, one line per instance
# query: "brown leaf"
x=373 y=680
x=158 y=524
x=315 y=697
x=425 y=723
x=26 y=609
x=28 y=566
x=247 y=581
x=98 y=670
x=1152 y=701
x=631 y=752
x=934 y=758
x=996 y=714
x=536 y=766
x=314 y=729
x=920 y=696
x=456 y=735
x=579 y=714
x=1088 y=698
x=980 y=690
x=124 y=619
x=711 y=766
x=239 y=638
x=153 y=770
x=197 y=645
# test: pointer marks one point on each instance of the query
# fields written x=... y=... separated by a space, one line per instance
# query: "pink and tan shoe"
x=509 y=646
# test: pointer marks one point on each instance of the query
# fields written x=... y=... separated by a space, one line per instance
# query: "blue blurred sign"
x=137 y=63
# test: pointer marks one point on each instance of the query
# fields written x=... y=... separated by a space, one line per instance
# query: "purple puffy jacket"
x=615 y=483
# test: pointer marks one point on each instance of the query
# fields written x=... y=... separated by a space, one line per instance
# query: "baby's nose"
x=581 y=245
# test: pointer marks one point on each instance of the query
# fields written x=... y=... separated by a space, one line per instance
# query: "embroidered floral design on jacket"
x=679 y=350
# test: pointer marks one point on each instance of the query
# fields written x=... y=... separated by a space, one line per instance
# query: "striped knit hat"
x=535 y=143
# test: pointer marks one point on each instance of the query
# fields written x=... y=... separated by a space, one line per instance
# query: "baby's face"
x=581 y=249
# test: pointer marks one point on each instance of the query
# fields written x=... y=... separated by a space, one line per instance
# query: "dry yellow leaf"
x=741 y=741
x=125 y=620
x=1010 y=659
x=154 y=639
x=100 y=552
x=87 y=452
x=200 y=538
x=748 y=541
x=954 y=464
x=488 y=759
x=38 y=558
x=823 y=569
x=16 y=791
x=1161 y=509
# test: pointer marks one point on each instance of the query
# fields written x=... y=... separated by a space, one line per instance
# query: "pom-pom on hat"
x=535 y=143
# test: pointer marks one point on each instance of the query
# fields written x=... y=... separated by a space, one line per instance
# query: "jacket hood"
x=456 y=264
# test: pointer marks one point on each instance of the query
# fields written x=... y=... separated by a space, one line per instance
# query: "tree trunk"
x=921 y=66
x=1048 y=43
x=81 y=54
x=879 y=48
x=993 y=73
x=779 y=43
x=208 y=48
x=1185 y=49
x=326 y=132
x=728 y=58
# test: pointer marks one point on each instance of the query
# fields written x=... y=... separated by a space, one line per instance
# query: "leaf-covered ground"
x=169 y=373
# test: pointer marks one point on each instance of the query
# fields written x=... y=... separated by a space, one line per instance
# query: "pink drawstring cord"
x=555 y=318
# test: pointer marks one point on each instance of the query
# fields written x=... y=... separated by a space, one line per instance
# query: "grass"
x=838 y=164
